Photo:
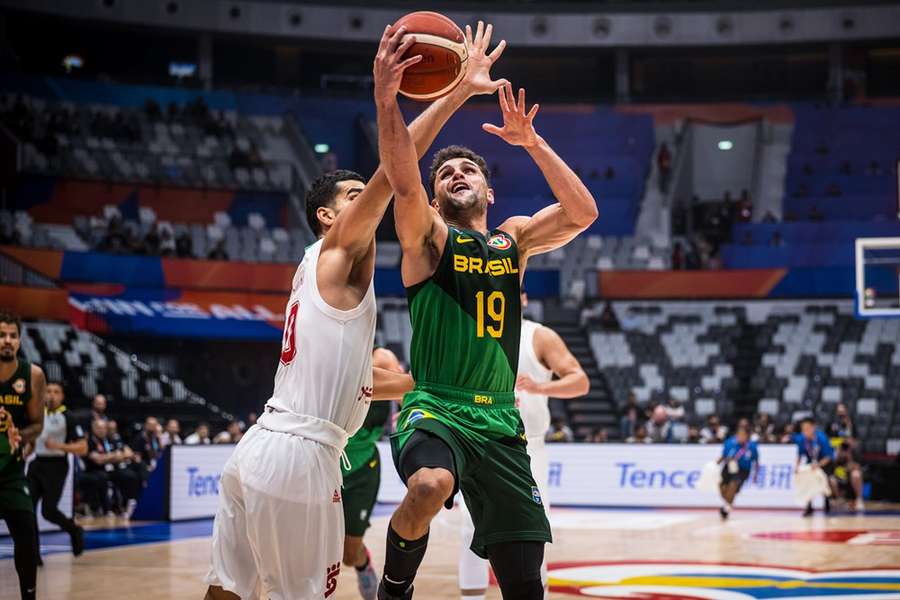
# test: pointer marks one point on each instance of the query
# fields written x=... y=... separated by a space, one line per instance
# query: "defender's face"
x=460 y=185
x=347 y=192
x=9 y=342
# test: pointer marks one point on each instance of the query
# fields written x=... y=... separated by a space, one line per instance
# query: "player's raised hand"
x=478 y=70
x=518 y=126
x=389 y=63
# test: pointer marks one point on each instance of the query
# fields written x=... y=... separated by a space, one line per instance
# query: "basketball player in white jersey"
x=279 y=529
x=542 y=354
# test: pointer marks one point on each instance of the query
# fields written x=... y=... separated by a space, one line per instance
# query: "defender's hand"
x=477 y=79
x=527 y=384
x=518 y=127
x=388 y=69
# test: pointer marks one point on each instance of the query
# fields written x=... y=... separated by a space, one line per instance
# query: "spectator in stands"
x=200 y=435
x=659 y=428
x=218 y=251
x=714 y=432
x=232 y=434
x=664 y=166
x=848 y=472
x=151 y=240
x=9 y=235
x=147 y=447
x=787 y=434
x=608 y=319
x=874 y=169
x=693 y=261
x=833 y=190
x=675 y=410
x=251 y=419
x=815 y=214
x=693 y=435
x=559 y=431
x=814 y=449
x=600 y=436
x=116 y=239
x=640 y=436
x=98 y=408
x=629 y=421
x=184 y=247
x=764 y=429
x=842 y=426
x=172 y=435
x=166 y=241
x=107 y=463
x=94 y=480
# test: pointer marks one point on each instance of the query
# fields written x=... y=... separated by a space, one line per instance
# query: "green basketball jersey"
x=15 y=393
x=466 y=317
x=360 y=447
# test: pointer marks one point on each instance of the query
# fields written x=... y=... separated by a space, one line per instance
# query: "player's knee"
x=430 y=487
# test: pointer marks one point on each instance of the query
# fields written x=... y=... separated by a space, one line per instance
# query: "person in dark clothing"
x=147 y=447
x=47 y=473
x=107 y=463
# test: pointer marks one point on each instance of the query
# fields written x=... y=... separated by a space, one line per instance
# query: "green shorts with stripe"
x=485 y=435
x=359 y=495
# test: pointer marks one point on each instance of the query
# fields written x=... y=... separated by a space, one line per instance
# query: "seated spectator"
x=116 y=238
x=232 y=434
x=842 y=426
x=151 y=240
x=764 y=430
x=675 y=410
x=693 y=435
x=106 y=469
x=172 y=435
x=166 y=241
x=659 y=428
x=640 y=436
x=629 y=422
x=714 y=432
x=147 y=447
x=608 y=319
x=200 y=436
x=559 y=431
x=184 y=247
x=787 y=435
x=600 y=436
x=218 y=251
x=251 y=419
x=848 y=473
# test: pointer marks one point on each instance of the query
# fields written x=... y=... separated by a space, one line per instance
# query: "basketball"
x=442 y=46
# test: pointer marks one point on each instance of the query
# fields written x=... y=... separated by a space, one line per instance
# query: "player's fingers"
x=410 y=62
x=486 y=41
x=396 y=38
x=469 y=41
x=500 y=83
x=403 y=47
x=501 y=94
x=488 y=127
x=479 y=34
x=496 y=52
x=384 y=38
x=533 y=112
x=521 y=105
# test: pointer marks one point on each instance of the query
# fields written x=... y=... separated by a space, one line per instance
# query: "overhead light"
x=321 y=148
x=725 y=145
x=72 y=61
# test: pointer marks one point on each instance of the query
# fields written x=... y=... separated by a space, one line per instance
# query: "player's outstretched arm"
x=553 y=353
x=554 y=225
x=390 y=385
x=422 y=233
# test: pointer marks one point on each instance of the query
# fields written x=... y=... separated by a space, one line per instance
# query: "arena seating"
x=808 y=357
x=89 y=365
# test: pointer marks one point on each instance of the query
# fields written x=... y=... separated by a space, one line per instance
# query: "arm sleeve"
x=74 y=430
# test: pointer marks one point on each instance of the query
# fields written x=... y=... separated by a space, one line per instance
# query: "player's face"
x=345 y=193
x=459 y=185
x=9 y=342
x=54 y=396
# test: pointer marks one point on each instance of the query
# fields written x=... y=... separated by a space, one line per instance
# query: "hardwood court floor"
x=173 y=569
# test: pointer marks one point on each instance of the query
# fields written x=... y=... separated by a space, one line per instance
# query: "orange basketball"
x=442 y=46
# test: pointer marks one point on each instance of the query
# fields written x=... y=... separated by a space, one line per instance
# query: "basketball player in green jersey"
x=361 y=482
x=460 y=427
x=21 y=421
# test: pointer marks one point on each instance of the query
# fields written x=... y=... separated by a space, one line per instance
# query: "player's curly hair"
x=322 y=192
x=11 y=318
x=451 y=152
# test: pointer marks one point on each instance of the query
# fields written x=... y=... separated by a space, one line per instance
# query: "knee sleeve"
x=517 y=566
x=426 y=451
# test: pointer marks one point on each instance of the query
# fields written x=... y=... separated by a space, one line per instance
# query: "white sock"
x=478 y=597
x=726 y=507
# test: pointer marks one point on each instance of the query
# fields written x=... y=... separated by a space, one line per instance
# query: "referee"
x=47 y=473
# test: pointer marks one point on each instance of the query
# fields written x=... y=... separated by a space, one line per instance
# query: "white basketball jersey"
x=324 y=376
x=534 y=408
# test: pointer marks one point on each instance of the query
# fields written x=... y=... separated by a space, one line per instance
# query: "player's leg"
x=53 y=475
x=21 y=525
x=359 y=497
x=517 y=566
x=35 y=488
x=540 y=471
x=473 y=570
x=856 y=482
x=427 y=465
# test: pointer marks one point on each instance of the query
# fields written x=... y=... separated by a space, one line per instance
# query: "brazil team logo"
x=500 y=242
x=716 y=581
x=416 y=415
x=18 y=386
x=536 y=494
